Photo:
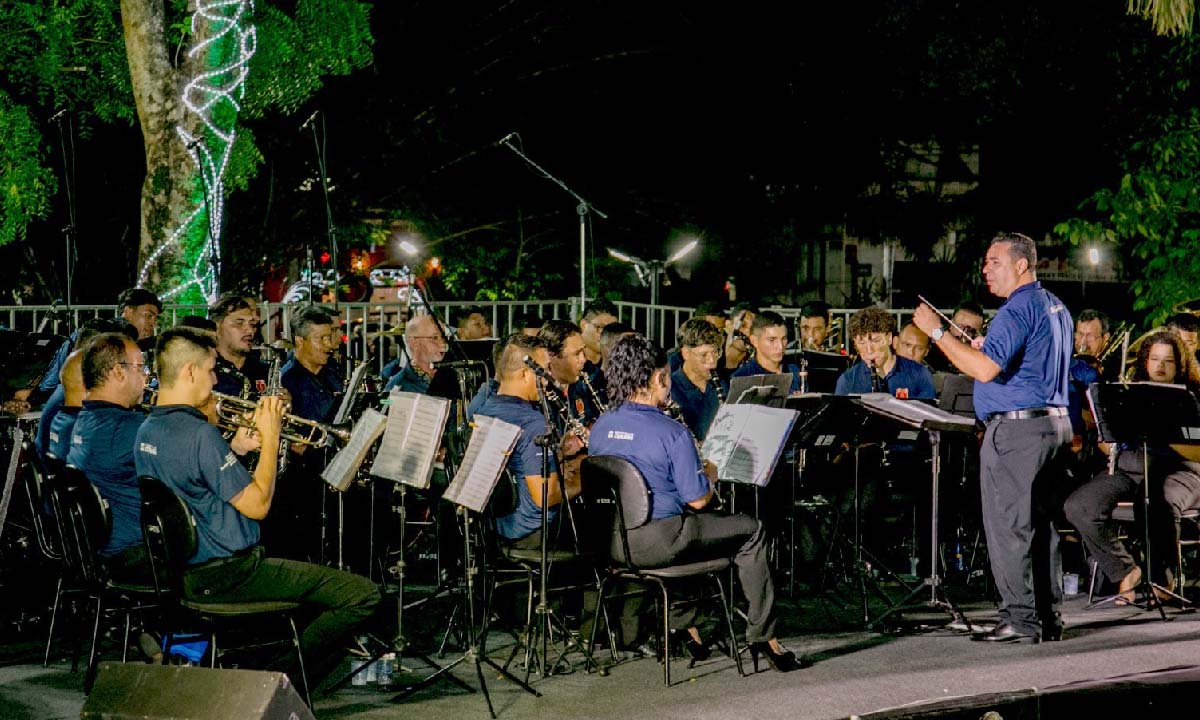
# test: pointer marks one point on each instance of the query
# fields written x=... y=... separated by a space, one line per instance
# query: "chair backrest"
x=89 y=524
x=59 y=489
x=34 y=480
x=620 y=483
x=169 y=531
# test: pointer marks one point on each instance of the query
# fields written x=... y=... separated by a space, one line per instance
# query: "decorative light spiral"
x=214 y=97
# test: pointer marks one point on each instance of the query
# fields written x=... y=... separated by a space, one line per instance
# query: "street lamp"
x=649 y=272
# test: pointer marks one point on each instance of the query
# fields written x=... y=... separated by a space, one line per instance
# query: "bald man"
x=426 y=346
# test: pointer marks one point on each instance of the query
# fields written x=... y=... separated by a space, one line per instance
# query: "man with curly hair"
x=878 y=369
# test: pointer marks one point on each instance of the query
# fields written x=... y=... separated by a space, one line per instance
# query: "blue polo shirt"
x=102 y=447
x=177 y=445
x=53 y=404
x=526 y=459
x=751 y=367
x=1030 y=339
x=907 y=379
x=486 y=390
x=698 y=407
x=313 y=396
x=60 y=432
x=409 y=380
x=660 y=448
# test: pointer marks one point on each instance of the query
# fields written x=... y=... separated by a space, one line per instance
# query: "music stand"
x=933 y=422
x=1136 y=414
x=471 y=489
x=957 y=396
x=824 y=368
x=25 y=357
x=771 y=390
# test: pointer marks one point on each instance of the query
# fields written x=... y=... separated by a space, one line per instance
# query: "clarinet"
x=876 y=381
x=600 y=404
x=571 y=424
x=715 y=379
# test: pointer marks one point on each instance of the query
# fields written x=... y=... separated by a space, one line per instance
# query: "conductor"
x=1021 y=377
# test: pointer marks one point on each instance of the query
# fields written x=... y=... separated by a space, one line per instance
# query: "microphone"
x=455 y=363
x=57 y=115
x=308 y=122
x=504 y=140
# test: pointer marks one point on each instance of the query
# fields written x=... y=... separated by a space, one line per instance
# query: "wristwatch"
x=937 y=333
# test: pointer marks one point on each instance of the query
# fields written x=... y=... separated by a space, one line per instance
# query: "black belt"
x=1028 y=413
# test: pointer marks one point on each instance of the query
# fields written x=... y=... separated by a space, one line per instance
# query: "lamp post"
x=650 y=271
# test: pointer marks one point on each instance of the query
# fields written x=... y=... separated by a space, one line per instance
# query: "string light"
x=213 y=97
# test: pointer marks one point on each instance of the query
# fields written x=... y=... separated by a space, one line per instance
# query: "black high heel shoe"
x=698 y=652
x=785 y=661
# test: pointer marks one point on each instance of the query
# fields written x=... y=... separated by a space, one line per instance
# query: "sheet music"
x=492 y=442
x=351 y=393
x=341 y=471
x=745 y=441
x=916 y=414
x=414 y=432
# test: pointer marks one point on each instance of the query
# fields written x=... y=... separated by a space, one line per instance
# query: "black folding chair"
x=620 y=488
x=169 y=531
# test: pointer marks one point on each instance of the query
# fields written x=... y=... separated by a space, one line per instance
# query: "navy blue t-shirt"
x=660 y=448
x=486 y=390
x=313 y=396
x=907 y=379
x=102 y=447
x=1030 y=339
x=751 y=367
x=250 y=378
x=178 y=446
x=60 y=432
x=698 y=407
x=526 y=460
x=409 y=380
x=53 y=404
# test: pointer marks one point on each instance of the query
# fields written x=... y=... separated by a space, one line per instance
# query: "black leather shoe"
x=1005 y=633
x=1053 y=634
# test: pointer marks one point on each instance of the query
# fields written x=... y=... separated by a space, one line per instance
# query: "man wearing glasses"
x=102 y=443
x=308 y=376
x=693 y=385
x=426 y=346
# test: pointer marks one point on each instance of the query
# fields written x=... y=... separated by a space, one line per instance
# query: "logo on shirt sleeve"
x=148 y=448
x=230 y=461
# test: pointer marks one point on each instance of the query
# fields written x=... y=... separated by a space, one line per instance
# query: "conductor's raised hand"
x=926 y=319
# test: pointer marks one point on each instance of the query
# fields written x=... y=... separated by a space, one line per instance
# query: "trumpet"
x=234 y=412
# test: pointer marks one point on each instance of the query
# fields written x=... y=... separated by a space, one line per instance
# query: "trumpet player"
x=239 y=370
x=180 y=448
x=814 y=325
x=695 y=387
x=308 y=376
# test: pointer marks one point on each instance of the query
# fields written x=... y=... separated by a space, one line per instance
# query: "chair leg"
x=125 y=644
x=93 y=655
x=733 y=643
x=53 y=617
x=666 y=634
x=596 y=619
x=300 y=660
x=1092 y=580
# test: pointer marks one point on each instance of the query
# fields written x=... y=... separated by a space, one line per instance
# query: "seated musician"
x=1175 y=482
x=611 y=333
x=911 y=343
x=70 y=390
x=968 y=316
x=665 y=454
x=711 y=313
x=877 y=369
x=488 y=387
x=1187 y=327
x=814 y=325
x=768 y=335
x=1091 y=336
x=564 y=344
x=694 y=385
x=239 y=370
x=102 y=444
x=513 y=404
x=310 y=378
x=473 y=325
x=599 y=314
x=179 y=447
x=426 y=346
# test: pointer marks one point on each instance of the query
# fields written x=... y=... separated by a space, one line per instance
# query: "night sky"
x=758 y=126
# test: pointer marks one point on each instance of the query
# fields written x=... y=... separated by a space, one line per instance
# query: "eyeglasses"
x=145 y=368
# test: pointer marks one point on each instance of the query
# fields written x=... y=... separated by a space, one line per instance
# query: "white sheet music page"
x=341 y=471
x=745 y=441
x=492 y=441
x=410 y=443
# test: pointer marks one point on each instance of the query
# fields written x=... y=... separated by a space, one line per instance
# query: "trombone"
x=234 y=412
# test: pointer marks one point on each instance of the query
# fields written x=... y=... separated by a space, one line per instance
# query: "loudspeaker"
x=125 y=691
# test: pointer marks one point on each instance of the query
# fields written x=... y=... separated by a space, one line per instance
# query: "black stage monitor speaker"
x=124 y=691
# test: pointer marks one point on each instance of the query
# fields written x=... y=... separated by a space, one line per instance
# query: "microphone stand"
x=330 y=229
x=69 y=234
x=583 y=208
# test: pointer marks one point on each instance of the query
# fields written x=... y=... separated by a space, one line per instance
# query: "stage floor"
x=855 y=672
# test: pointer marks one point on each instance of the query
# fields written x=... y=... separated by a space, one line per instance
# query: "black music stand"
x=842 y=420
x=933 y=422
x=957 y=396
x=1138 y=414
x=824 y=368
x=771 y=390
